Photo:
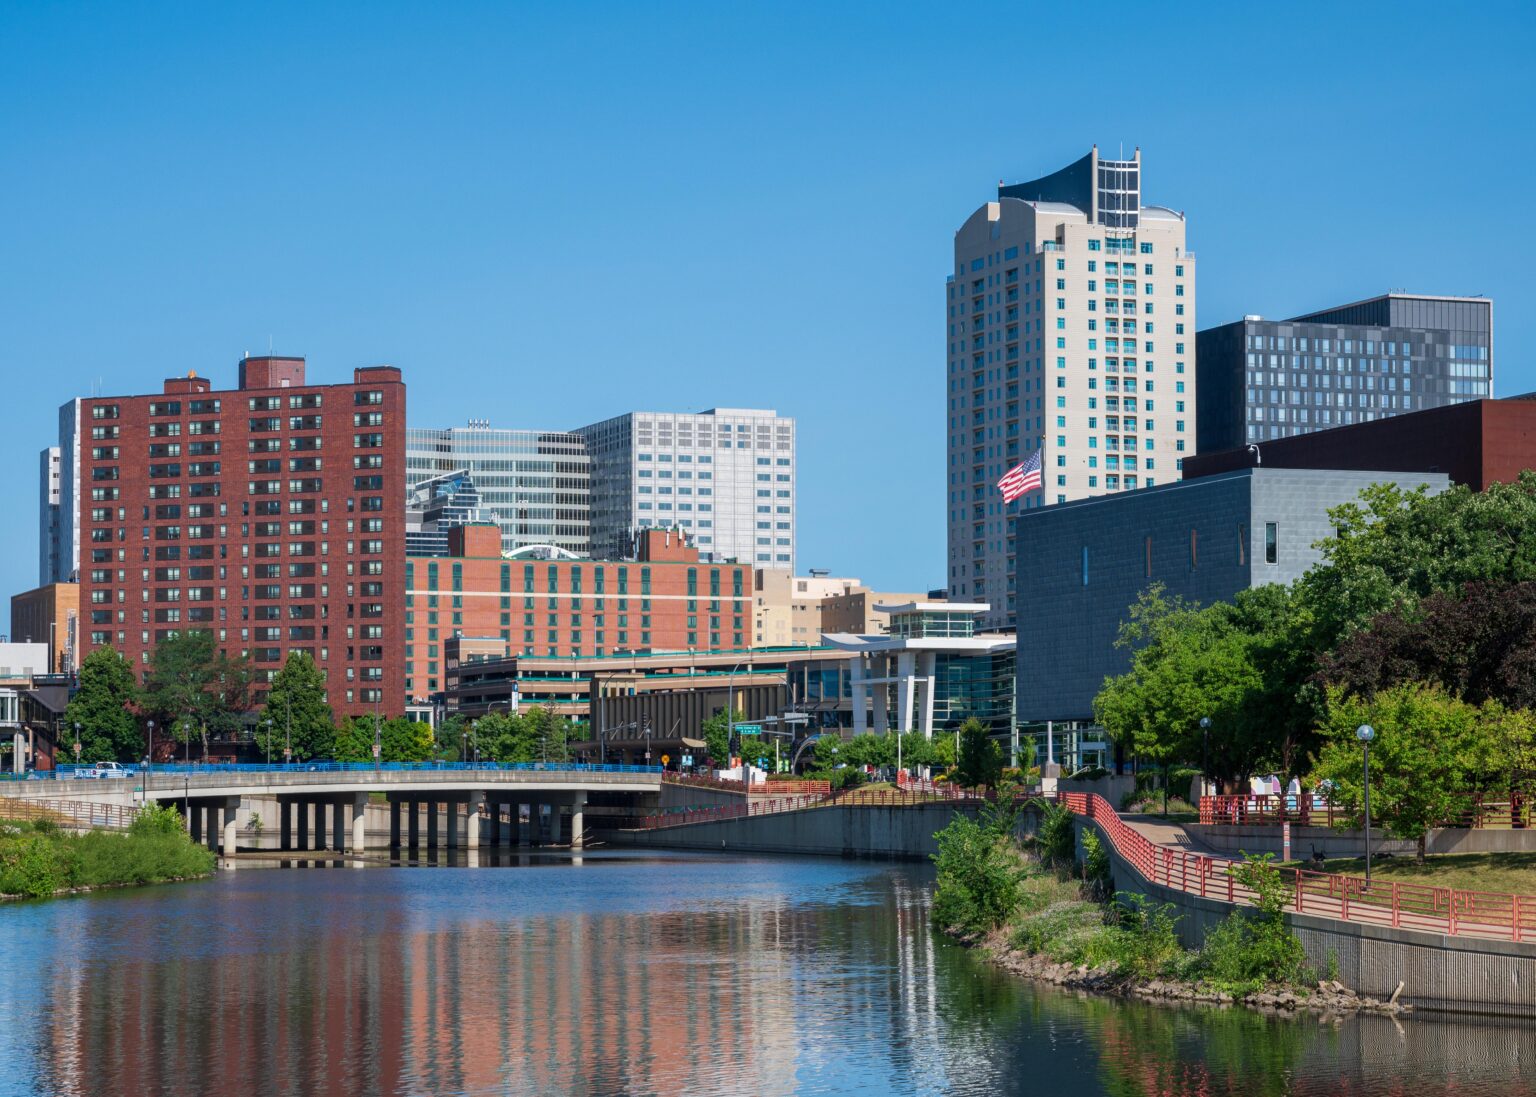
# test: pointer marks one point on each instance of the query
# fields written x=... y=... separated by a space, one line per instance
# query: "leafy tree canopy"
x=1430 y=753
x=981 y=759
x=194 y=687
x=102 y=707
x=297 y=713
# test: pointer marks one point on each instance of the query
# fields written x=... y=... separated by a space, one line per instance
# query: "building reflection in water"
x=649 y=976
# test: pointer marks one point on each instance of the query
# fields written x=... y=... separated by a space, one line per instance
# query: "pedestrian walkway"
x=1172 y=835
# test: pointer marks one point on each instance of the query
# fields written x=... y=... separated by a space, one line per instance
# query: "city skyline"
x=454 y=253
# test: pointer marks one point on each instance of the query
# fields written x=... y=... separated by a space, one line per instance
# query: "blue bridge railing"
x=82 y=772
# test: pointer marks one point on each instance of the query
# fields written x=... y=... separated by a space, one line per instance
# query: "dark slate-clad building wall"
x=1260 y=380
x=1082 y=564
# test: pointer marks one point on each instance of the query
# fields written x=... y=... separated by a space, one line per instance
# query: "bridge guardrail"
x=65 y=773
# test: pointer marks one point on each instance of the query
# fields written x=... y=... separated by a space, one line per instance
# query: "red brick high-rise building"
x=271 y=514
x=664 y=600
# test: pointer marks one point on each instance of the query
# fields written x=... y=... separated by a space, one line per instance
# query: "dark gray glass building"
x=1260 y=379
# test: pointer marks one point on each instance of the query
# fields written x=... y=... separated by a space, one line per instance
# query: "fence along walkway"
x=1311 y=809
x=1347 y=898
x=68 y=812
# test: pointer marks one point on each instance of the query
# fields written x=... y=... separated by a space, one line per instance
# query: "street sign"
x=665 y=759
x=687 y=760
x=749 y=729
x=762 y=763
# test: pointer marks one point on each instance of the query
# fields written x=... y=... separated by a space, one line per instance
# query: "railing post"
x=1397 y=914
x=1514 y=913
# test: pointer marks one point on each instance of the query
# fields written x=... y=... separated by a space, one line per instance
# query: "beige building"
x=791 y=609
x=1070 y=321
x=50 y=615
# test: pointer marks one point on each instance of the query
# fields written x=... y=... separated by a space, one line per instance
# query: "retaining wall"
x=893 y=833
x=1334 y=842
x=1438 y=971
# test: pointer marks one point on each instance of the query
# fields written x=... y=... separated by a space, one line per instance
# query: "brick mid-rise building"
x=271 y=514
x=665 y=599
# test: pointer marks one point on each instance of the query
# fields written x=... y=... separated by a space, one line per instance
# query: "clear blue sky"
x=547 y=214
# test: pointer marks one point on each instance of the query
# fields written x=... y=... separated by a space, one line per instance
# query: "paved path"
x=1171 y=835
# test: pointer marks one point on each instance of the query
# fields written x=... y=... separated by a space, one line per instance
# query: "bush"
x=1254 y=947
x=154 y=818
x=979 y=877
x=845 y=778
x=1096 y=877
x=35 y=865
x=1058 y=846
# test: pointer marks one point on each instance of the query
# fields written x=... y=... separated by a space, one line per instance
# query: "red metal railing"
x=792 y=788
x=80 y=813
x=1311 y=809
x=1350 y=898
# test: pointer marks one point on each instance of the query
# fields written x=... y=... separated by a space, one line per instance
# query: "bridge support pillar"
x=451 y=810
x=359 y=821
x=301 y=809
x=284 y=824
x=413 y=824
x=431 y=824
x=493 y=821
x=195 y=822
x=339 y=826
x=394 y=824
x=231 y=830
x=211 y=835
x=578 y=807
x=472 y=820
x=554 y=823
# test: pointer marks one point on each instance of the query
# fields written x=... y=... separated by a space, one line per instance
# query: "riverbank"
x=1037 y=911
x=39 y=860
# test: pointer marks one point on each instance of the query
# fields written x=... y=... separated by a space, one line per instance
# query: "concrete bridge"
x=325 y=805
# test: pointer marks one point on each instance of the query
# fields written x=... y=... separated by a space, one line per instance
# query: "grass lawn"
x=1514 y=873
x=1180 y=810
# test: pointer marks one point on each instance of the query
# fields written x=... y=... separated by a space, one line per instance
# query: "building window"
x=1271 y=543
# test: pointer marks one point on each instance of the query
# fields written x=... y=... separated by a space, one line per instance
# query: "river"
x=627 y=973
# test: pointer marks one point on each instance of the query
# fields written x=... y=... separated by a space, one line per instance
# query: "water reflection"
x=627 y=975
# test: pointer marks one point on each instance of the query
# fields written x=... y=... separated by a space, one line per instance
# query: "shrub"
x=1254 y=947
x=979 y=877
x=154 y=818
x=1058 y=846
x=1149 y=932
x=1096 y=877
x=35 y=865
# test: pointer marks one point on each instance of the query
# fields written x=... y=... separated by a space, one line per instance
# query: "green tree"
x=299 y=713
x=102 y=707
x=981 y=759
x=1395 y=547
x=1431 y=750
x=714 y=734
x=1226 y=662
x=194 y=688
x=400 y=740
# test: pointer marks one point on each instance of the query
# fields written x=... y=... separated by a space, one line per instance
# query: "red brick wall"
x=325 y=613
x=1475 y=443
x=477 y=609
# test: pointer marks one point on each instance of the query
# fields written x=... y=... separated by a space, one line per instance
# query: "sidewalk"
x=1171 y=835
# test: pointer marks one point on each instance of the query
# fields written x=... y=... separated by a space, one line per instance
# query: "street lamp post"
x=1365 y=733
x=1205 y=753
x=77 y=744
x=268 y=723
x=149 y=757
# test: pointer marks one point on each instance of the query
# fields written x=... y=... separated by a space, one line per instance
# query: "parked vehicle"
x=105 y=769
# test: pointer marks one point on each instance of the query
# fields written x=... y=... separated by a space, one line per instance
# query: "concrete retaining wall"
x=680 y=796
x=1238 y=838
x=894 y=833
x=1456 y=974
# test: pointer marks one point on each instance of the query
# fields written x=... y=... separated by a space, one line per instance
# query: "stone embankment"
x=1329 y=997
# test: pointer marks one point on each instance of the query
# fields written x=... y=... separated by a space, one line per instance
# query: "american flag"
x=1021 y=479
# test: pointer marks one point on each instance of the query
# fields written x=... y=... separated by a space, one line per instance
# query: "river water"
x=627 y=973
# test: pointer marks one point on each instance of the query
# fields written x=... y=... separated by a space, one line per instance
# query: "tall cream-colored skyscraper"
x=1070 y=327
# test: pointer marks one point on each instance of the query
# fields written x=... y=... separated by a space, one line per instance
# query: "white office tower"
x=1070 y=327
x=725 y=477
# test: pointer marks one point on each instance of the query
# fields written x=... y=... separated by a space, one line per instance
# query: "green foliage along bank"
x=1041 y=901
x=39 y=859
